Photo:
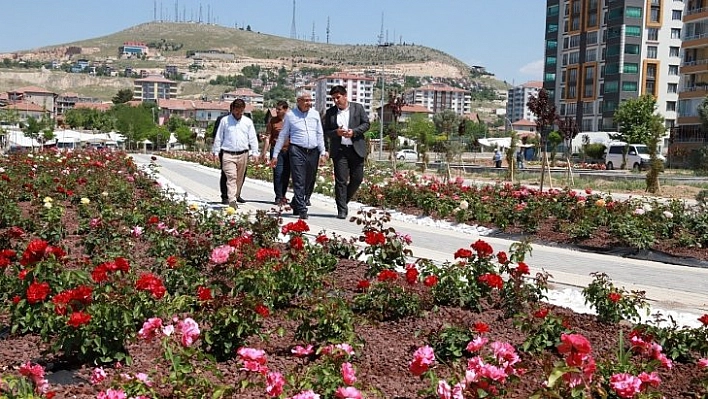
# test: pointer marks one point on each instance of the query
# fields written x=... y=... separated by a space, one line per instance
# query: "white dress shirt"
x=343 y=122
x=236 y=136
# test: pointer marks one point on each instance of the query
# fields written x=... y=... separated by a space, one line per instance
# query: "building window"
x=611 y=69
x=550 y=77
x=633 y=30
x=653 y=34
x=671 y=106
x=614 y=32
x=676 y=15
x=631 y=48
x=552 y=10
x=574 y=41
x=675 y=33
x=674 y=51
x=551 y=44
x=633 y=12
x=673 y=70
x=655 y=14
x=629 y=86
x=611 y=87
x=587 y=125
x=616 y=13
x=552 y=28
x=613 y=50
x=651 y=51
x=672 y=88
x=591 y=55
x=591 y=38
x=631 y=67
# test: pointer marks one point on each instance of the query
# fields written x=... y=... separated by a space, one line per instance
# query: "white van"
x=637 y=156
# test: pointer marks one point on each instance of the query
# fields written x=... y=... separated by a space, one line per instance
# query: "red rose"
x=387 y=275
x=481 y=327
x=262 y=310
x=363 y=285
x=523 y=268
x=37 y=292
x=322 y=239
x=430 y=281
x=171 y=261
x=122 y=264
x=463 y=253
x=204 y=294
x=412 y=275
x=502 y=258
x=541 y=313
x=372 y=237
x=483 y=249
x=77 y=319
x=296 y=243
x=614 y=297
x=704 y=319
x=492 y=280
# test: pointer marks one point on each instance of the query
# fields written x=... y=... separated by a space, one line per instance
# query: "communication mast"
x=293 y=31
x=327 y=30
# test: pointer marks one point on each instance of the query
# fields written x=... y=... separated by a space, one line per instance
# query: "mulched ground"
x=381 y=362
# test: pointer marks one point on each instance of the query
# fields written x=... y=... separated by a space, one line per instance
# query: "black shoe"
x=308 y=202
x=342 y=215
x=295 y=212
x=303 y=215
x=277 y=201
x=240 y=200
x=224 y=201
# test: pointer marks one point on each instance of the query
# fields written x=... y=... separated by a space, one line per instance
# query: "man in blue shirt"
x=303 y=127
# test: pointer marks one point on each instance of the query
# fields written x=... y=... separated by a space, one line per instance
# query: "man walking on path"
x=281 y=172
x=303 y=127
x=344 y=126
x=235 y=139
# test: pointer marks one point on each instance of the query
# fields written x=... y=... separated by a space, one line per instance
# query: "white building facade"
x=517 y=97
x=360 y=89
x=437 y=97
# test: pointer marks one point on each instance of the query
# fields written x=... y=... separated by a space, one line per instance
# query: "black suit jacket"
x=358 y=122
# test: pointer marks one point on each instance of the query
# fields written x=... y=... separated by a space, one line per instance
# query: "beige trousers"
x=234 y=167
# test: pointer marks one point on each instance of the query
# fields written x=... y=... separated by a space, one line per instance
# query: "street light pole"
x=383 y=85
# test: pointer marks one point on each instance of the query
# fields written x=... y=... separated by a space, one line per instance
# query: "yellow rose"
x=600 y=203
x=48 y=200
x=85 y=201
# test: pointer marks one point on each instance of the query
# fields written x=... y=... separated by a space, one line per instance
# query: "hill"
x=171 y=42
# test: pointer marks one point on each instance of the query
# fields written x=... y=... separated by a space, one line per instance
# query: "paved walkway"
x=669 y=287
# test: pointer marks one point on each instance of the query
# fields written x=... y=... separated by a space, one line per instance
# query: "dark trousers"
x=348 y=174
x=222 y=180
x=303 y=167
x=281 y=174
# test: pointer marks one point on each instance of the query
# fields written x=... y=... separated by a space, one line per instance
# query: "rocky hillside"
x=170 y=43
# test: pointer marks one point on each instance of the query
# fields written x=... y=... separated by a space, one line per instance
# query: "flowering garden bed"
x=110 y=289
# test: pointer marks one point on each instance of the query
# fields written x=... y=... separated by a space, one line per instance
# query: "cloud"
x=534 y=68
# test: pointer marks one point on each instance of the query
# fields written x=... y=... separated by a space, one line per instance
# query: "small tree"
x=123 y=96
x=545 y=111
x=420 y=127
x=635 y=118
x=554 y=140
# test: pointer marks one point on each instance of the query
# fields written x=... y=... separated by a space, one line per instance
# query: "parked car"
x=637 y=156
x=407 y=155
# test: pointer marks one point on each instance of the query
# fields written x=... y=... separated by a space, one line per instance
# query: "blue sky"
x=505 y=36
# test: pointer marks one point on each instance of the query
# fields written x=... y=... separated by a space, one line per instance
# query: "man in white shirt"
x=235 y=139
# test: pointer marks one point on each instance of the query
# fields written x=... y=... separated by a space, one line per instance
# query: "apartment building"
x=694 y=76
x=247 y=95
x=437 y=97
x=154 y=87
x=517 y=97
x=360 y=89
x=601 y=52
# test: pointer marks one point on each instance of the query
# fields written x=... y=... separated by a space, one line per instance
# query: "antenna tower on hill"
x=327 y=30
x=381 y=34
x=293 y=31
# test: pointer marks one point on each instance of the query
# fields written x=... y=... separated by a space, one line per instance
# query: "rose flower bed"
x=110 y=288
x=591 y=220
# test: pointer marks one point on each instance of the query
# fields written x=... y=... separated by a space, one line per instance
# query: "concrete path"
x=670 y=287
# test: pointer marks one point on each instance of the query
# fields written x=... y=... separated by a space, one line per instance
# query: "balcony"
x=693 y=91
x=695 y=14
x=694 y=41
x=695 y=66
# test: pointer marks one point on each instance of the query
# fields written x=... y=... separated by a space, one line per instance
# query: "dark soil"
x=382 y=354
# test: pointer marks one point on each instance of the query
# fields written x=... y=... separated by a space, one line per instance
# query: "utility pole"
x=328 y=30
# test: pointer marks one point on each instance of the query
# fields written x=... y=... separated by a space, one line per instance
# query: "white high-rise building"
x=360 y=89
x=437 y=97
x=517 y=97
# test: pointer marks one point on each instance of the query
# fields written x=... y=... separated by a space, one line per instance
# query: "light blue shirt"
x=236 y=135
x=304 y=129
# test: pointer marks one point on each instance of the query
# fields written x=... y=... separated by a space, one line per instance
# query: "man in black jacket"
x=344 y=126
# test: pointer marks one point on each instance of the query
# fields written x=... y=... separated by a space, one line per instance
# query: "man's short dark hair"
x=238 y=103
x=339 y=89
x=282 y=104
